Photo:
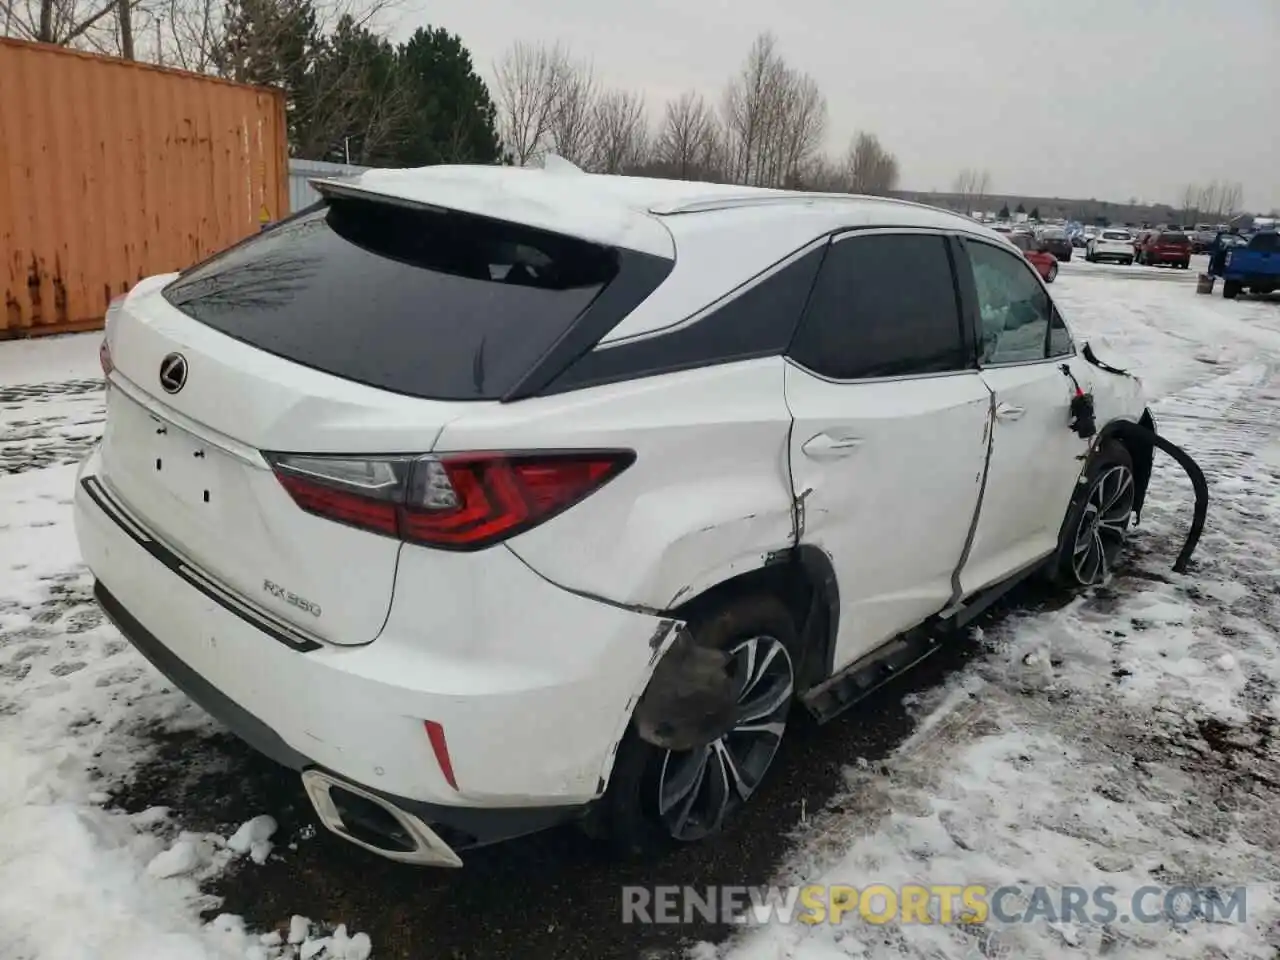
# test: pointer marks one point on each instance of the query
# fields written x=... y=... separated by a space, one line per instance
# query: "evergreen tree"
x=452 y=118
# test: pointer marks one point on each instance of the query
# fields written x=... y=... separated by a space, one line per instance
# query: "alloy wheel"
x=1104 y=524
x=698 y=789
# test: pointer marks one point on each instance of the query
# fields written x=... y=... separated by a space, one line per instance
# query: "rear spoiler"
x=551 y=201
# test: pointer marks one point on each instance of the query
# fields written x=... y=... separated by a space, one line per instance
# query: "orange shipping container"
x=111 y=171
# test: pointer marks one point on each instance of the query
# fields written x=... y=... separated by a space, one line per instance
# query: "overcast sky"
x=1080 y=98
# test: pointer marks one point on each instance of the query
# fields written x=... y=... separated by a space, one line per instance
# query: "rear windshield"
x=1053 y=234
x=1265 y=241
x=437 y=305
x=1115 y=235
x=1171 y=237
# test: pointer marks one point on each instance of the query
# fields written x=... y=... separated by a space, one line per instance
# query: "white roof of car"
x=637 y=213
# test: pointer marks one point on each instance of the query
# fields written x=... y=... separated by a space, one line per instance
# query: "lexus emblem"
x=173 y=372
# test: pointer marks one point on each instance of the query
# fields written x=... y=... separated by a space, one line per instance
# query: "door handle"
x=826 y=446
x=1007 y=411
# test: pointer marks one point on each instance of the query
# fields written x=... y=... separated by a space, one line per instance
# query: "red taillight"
x=455 y=501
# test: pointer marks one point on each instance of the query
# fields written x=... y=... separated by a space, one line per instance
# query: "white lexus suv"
x=491 y=499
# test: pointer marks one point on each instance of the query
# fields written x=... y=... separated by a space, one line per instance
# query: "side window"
x=883 y=305
x=1060 y=344
x=1014 y=310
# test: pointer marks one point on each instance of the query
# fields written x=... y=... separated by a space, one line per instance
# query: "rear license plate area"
x=185 y=467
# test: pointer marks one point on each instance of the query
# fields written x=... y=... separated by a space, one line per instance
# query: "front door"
x=890 y=434
x=1035 y=456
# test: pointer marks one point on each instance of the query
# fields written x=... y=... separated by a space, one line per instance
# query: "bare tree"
x=1190 y=202
x=62 y=22
x=972 y=185
x=529 y=92
x=572 y=123
x=750 y=106
x=774 y=119
x=800 y=128
x=1210 y=204
x=869 y=167
x=126 y=28
x=620 y=139
x=1232 y=196
x=192 y=33
x=687 y=140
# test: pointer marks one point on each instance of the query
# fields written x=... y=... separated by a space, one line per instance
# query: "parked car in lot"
x=1170 y=247
x=1203 y=236
x=491 y=499
x=1045 y=263
x=1054 y=240
x=1111 y=245
x=1252 y=267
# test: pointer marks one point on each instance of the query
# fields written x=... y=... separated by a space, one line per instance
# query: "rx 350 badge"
x=280 y=593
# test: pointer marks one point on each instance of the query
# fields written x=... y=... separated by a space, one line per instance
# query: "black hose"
x=1194 y=473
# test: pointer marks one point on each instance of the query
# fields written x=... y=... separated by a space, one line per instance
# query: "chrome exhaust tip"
x=371 y=822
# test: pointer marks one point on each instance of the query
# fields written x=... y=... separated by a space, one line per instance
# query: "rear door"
x=1035 y=456
x=358 y=328
x=891 y=430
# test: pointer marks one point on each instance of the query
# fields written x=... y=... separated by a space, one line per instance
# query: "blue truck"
x=1252 y=266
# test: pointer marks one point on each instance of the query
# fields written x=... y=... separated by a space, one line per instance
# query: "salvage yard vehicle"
x=491 y=499
x=1111 y=244
x=1252 y=267
x=1045 y=263
x=1171 y=247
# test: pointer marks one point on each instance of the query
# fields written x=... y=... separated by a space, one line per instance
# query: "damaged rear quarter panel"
x=708 y=497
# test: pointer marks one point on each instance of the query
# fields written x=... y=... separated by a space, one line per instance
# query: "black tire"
x=1053 y=273
x=1098 y=516
x=1230 y=289
x=628 y=817
x=1129 y=262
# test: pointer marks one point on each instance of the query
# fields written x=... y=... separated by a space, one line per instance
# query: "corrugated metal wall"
x=300 y=171
x=112 y=171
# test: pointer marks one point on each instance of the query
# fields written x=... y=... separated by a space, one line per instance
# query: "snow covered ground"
x=1125 y=739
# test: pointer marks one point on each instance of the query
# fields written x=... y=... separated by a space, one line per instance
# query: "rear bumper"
x=459 y=827
x=532 y=701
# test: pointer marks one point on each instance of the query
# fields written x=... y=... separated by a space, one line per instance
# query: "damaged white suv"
x=490 y=498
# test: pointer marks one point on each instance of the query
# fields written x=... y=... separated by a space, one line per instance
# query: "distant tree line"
x=353 y=95
x=767 y=128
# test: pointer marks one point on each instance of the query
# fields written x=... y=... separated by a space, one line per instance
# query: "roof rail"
x=731 y=201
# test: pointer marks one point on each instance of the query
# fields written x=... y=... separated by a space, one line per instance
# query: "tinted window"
x=1172 y=237
x=1014 y=309
x=882 y=306
x=431 y=304
x=1115 y=235
x=1059 y=336
x=1265 y=241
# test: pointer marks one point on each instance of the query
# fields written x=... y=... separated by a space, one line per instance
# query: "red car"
x=1046 y=263
x=1165 y=246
